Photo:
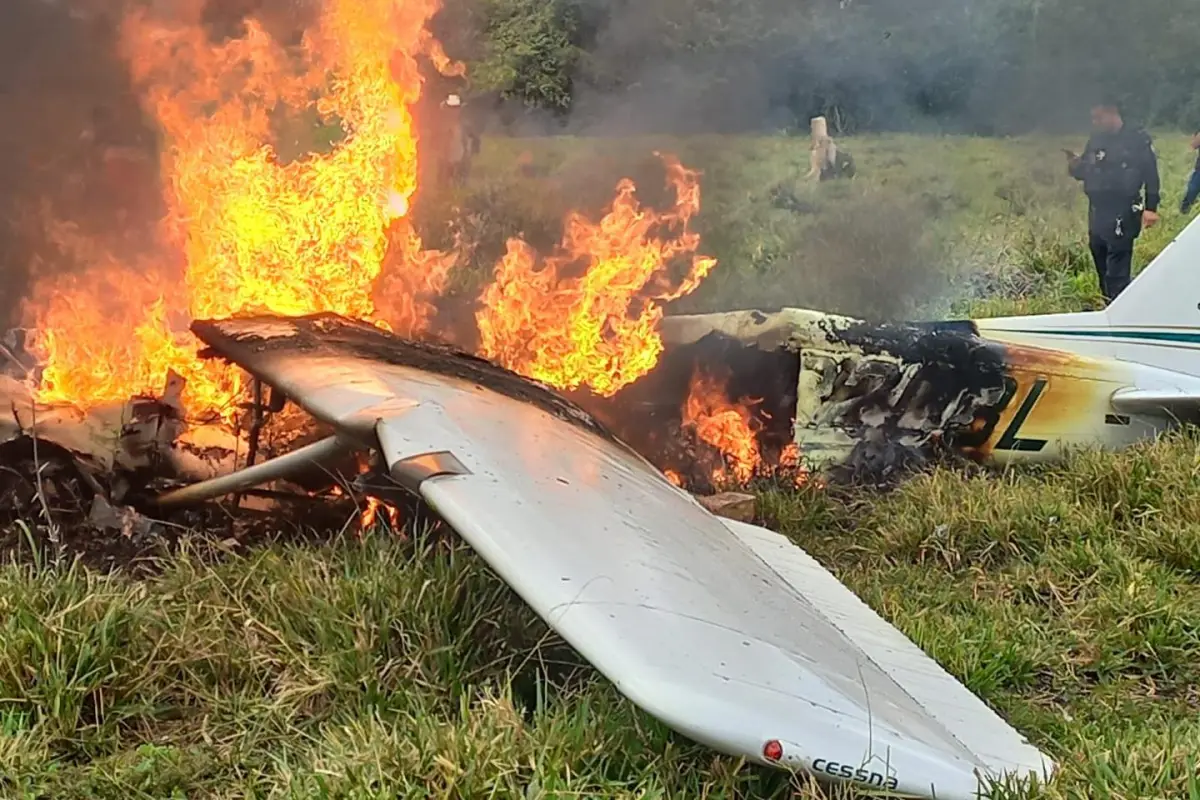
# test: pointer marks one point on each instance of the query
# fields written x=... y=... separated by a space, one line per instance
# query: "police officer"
x=1118 y=161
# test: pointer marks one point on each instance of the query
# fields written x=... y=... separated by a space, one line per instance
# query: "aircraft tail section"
x=1155 y=322
x=1166 y=295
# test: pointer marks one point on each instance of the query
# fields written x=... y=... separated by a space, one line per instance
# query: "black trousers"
x=1111 y=234
x=1114 y=263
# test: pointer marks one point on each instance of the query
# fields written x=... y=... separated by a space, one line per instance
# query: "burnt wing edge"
x=333 y=334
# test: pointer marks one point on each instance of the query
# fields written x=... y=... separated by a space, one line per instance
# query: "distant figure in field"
x=826 y=161
x=1192 y=193
x=1116 y=163
x=454 y=142
x=459 y=139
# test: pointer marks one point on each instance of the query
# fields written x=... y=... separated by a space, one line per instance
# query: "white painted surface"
x=1155 y=322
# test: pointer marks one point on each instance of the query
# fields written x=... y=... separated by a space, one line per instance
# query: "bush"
x=529 y=51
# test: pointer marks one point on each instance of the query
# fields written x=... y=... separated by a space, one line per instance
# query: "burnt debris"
x=865 y=403
x=910 y=394
x=650 y=413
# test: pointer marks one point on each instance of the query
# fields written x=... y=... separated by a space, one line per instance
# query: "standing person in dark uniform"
x=1117 y=162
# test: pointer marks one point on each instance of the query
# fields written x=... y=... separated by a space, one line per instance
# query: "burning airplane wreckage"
x=272 y=340
x=724 y=630
x=734 y=397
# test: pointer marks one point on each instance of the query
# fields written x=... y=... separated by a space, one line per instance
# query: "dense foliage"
x=982 y=66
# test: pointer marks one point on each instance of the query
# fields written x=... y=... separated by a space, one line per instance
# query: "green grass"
x=1068 y=598
x=931 y=227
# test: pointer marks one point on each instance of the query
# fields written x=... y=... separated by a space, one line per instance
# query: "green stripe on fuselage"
x=1154 y=336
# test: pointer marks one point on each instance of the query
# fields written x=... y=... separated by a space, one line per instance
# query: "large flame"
x=324 y=232
x=733 y=428
x=255 y=222
x=727 y=426
x=598 y=330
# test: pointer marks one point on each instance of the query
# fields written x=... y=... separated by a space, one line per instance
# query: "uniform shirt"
x=1115 y=166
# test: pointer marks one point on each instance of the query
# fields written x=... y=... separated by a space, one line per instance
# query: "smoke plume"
x=66 y=98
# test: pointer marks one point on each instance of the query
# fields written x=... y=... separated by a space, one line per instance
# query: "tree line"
x=980 y=66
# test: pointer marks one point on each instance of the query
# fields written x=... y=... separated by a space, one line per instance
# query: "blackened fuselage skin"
x=873 y=397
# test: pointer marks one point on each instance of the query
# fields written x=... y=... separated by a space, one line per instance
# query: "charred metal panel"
x=876 y=397
x=870 y=398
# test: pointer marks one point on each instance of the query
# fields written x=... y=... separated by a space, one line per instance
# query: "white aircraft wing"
x=727 y=633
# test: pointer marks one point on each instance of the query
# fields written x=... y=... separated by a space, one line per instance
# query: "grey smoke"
x=59 y=77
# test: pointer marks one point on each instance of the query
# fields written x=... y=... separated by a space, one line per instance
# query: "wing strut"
x=274 y=469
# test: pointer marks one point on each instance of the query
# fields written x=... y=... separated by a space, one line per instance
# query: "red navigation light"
x=773 y=750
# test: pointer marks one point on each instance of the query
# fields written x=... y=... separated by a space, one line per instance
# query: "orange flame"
x=258 y=222
x=790 y=463
x=599 y=330
x=326 y=231
x=370 y=515
x=726 y=426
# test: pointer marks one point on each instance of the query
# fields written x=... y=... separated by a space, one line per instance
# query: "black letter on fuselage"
x=1009 y=440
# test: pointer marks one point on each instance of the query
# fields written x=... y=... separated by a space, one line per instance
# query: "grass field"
x=931 y=227
x=1068 y=598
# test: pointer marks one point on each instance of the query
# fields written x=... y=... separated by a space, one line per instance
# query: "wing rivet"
x=773 y=750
